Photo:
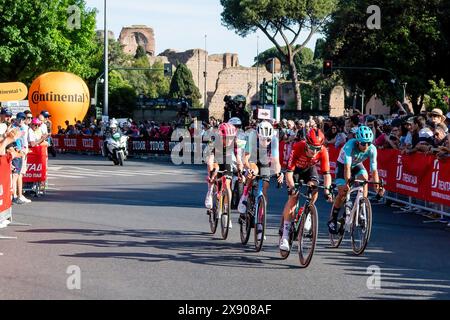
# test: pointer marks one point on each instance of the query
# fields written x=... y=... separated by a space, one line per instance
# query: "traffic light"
x=262 y=87
x=268 y=92
x=167 y=70
x=327 y=67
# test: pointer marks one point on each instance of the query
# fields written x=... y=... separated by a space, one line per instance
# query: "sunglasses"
x=29 y=117
x=365 y=143
x=313 y=148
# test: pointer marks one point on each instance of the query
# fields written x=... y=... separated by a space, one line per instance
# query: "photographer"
x=184 y=118
x=235 y=107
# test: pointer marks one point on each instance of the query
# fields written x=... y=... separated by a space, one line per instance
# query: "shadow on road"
x=185 y=246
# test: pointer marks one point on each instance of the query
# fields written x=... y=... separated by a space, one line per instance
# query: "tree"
x=40 y=36
x=411 y=43
x=122 y=96
x=183 y=86
x=309 y=64
x=438 y=96
x=283 y=18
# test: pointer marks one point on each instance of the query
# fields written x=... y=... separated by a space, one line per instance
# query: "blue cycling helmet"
x=364 y=134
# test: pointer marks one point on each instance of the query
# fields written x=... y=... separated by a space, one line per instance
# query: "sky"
x=182 y=25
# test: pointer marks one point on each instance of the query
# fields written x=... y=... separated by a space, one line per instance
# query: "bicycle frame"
x=297 y=218
x=355 y=208
x=258 y=195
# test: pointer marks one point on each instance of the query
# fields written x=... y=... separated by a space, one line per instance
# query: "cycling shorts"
x=307 y=175
x=357 y=170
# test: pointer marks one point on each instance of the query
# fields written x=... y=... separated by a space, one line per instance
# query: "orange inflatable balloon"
x=64 y=95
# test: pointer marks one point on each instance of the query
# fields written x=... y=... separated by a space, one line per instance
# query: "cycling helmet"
x=265 y=130
x=227 y=130
x=364 y=134
x=315 y=138
x=235 y=121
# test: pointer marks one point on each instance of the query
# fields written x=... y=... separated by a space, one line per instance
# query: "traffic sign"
x=13 y=91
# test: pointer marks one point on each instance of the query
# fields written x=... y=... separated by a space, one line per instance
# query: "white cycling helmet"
x=265 y=130
x=235 y=121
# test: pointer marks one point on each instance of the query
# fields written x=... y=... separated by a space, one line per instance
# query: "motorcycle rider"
x=108 y=133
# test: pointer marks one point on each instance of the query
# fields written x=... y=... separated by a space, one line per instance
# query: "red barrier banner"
x=387 y=168
x=411 y=175
x=36 y=165
x=333 y=154
x=438 y=178
x=77 y=143
x=5 y=183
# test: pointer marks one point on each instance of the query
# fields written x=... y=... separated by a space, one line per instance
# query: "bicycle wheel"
x=336 y=239
x=260 y=225
x=246 y=224
x=361 y=227
x=213 y=220
x=226 y=214
x=307 y=235
x=284 y=254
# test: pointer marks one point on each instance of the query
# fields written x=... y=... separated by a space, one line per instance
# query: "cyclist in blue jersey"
x=350 y=165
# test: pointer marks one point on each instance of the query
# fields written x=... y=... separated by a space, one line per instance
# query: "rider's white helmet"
x=235 y=121
x=265 y=130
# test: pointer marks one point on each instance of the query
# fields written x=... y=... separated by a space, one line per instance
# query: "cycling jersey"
x=260 y=154
x=350 y=154
x=298 y=158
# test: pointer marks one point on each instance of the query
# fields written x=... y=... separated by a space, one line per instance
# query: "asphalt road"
x=141 y=232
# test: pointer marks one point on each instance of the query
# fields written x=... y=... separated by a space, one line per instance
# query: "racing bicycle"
x=221 y=206
x=255 y=216
x=304 y=227
x=356 y=219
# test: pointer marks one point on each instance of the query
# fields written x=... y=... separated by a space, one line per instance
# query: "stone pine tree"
x=279 y=19
x=183 y=86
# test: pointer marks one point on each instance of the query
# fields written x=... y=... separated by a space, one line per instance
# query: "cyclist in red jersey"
x=302 y=166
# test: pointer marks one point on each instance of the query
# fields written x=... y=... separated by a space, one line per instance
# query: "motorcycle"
x=117 y=148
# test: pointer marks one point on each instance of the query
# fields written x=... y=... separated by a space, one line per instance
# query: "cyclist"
x=302 y=166
x=241 y=141
x=262 y=148
x=350 y=165
x=227 y=133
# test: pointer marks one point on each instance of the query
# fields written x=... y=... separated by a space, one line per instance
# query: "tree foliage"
x=183 y=86
x=279 y=18
x=413 y=43
x=438 y=96
x=37 y=37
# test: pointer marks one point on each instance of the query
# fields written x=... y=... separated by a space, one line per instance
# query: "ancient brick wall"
x=233 y=81
x=195 y=61
x=137 y=35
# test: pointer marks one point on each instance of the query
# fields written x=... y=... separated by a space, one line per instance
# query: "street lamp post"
x=404 y=91
x=206 y=73
x=362 y=101
x=105 y=57
x=101 y=80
